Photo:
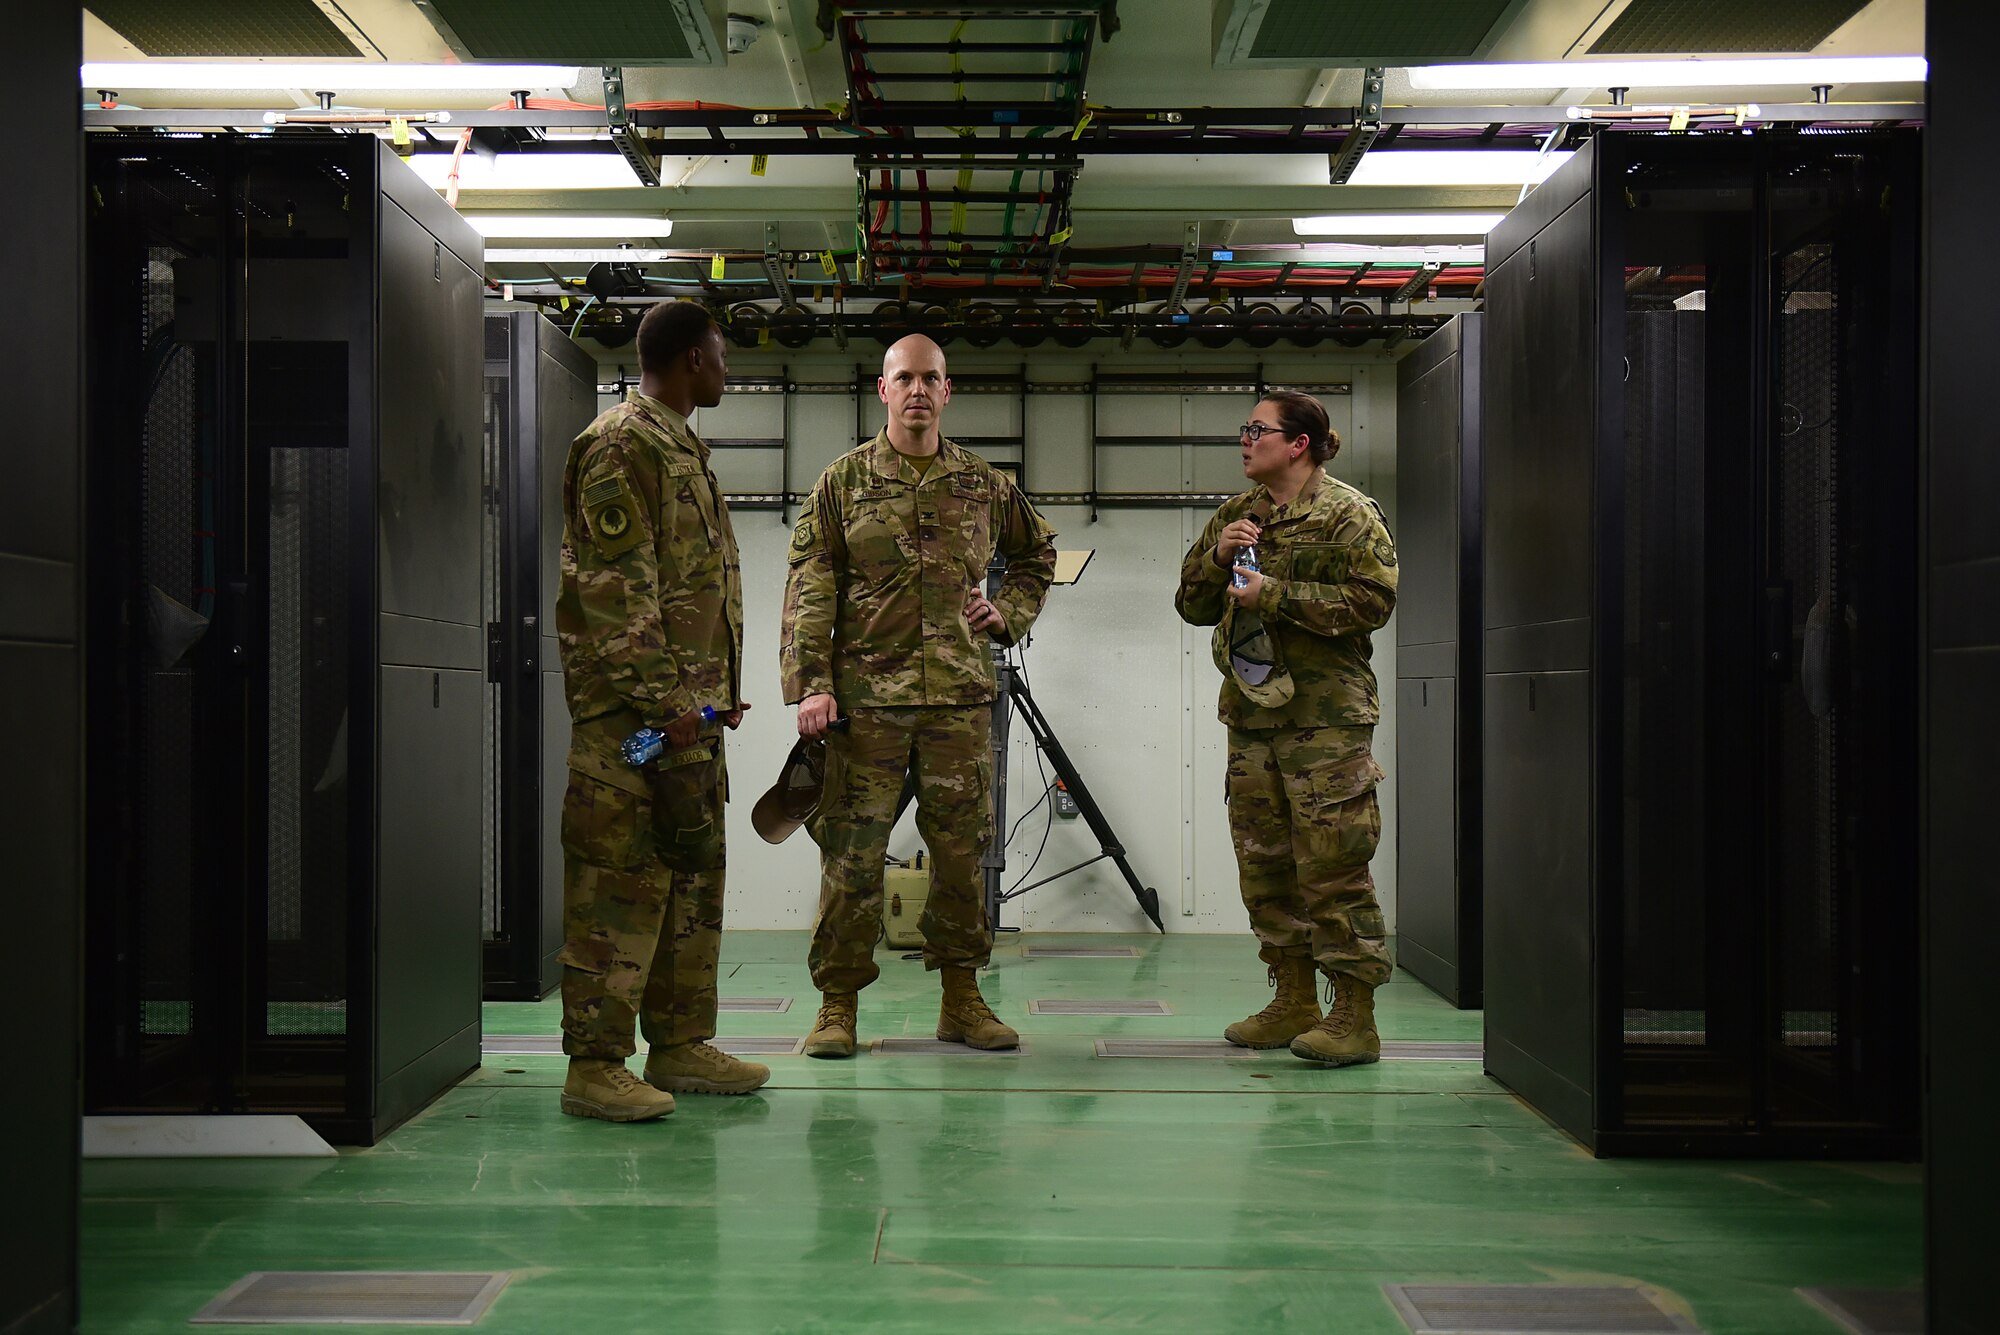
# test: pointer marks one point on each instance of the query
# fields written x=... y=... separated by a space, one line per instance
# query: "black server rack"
x=541 y=392
x=41 y=662
x=287 y=656
x=1961 y=689
x=1438 y=637
x=1700 y=592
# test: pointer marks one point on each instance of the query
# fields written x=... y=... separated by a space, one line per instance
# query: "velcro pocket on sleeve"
x=1321 y=562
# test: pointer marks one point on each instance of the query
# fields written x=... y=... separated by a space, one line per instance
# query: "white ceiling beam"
x=800 y=78
x=788 y=50
x=1322 y=88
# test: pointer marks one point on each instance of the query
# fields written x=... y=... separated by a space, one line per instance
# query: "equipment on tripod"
x=1014 y=693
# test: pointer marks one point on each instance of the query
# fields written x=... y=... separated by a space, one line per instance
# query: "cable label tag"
x=715 y=266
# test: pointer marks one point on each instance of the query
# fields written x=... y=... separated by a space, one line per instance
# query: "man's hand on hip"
x=981 y=614
x=816 y=714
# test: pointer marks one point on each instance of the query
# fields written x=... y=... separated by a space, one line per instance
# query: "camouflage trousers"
x=1303 y=817
x=950 y=749
x=640 y=940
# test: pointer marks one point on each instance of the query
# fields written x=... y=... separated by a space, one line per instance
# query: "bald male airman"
x=887 y=625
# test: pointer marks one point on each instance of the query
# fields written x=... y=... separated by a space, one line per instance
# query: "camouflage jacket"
x=651 y=609
x=1329 y=569
x=881 y=564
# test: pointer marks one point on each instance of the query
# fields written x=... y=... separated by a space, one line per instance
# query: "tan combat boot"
x=1346 y=1037
x=833 y=1031
x=1293 y=1011
x=607 y=1091
x=966 y=1018
x=699 y=1068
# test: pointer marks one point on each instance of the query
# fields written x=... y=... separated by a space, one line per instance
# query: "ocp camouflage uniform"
x=1301 y=779
x=651 y=622
x=882 y=561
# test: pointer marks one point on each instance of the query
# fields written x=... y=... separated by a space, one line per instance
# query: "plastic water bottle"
x=1248 y=559
x=644 y=746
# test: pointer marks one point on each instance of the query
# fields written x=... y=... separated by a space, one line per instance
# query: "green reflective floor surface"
x=1048 y=1190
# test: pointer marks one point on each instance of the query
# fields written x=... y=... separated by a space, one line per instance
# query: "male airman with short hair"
x=650 y=618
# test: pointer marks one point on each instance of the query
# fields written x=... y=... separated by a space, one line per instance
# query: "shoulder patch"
x=613 y=514
x=805 y=532
x=603 y=489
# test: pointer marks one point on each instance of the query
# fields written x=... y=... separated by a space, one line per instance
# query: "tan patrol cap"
x=1248 y=655
x=795 y=797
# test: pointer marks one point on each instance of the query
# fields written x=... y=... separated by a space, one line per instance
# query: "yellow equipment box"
x=904 y=890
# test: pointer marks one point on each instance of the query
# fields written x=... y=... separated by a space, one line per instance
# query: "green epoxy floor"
x=1038 y=1192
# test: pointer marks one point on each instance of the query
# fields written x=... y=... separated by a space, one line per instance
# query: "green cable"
x=1077 y=32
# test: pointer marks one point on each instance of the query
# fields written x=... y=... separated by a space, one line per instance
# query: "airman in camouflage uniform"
x=650 y=617
x=886 y=624
x=1301 y=782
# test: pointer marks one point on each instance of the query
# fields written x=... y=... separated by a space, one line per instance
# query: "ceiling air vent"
x=576 y=32
x=1682 y=27
x=1319 y=33
x=218 y=28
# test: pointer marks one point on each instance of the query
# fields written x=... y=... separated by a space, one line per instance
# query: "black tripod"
x=1014 y=694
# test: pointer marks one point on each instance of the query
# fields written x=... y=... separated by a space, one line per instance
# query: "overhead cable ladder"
x=962 y=200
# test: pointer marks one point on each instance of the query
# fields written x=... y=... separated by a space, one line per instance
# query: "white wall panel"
x=1104 y=664
x=1056 y=424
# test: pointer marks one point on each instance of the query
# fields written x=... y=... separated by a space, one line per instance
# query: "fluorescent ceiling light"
x=313 y=77
x=1452 y=166
x=1387 y=254
x=1804 y=71
x=550 y=225
x=526 y=171
x=1398 y=224
x=605 y=255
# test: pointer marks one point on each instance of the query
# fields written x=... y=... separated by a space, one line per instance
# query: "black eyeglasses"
x=1256 y=431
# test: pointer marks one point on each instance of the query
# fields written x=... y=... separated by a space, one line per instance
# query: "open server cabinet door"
x=283 y=584
x=1699 y=677
x=541 y=392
